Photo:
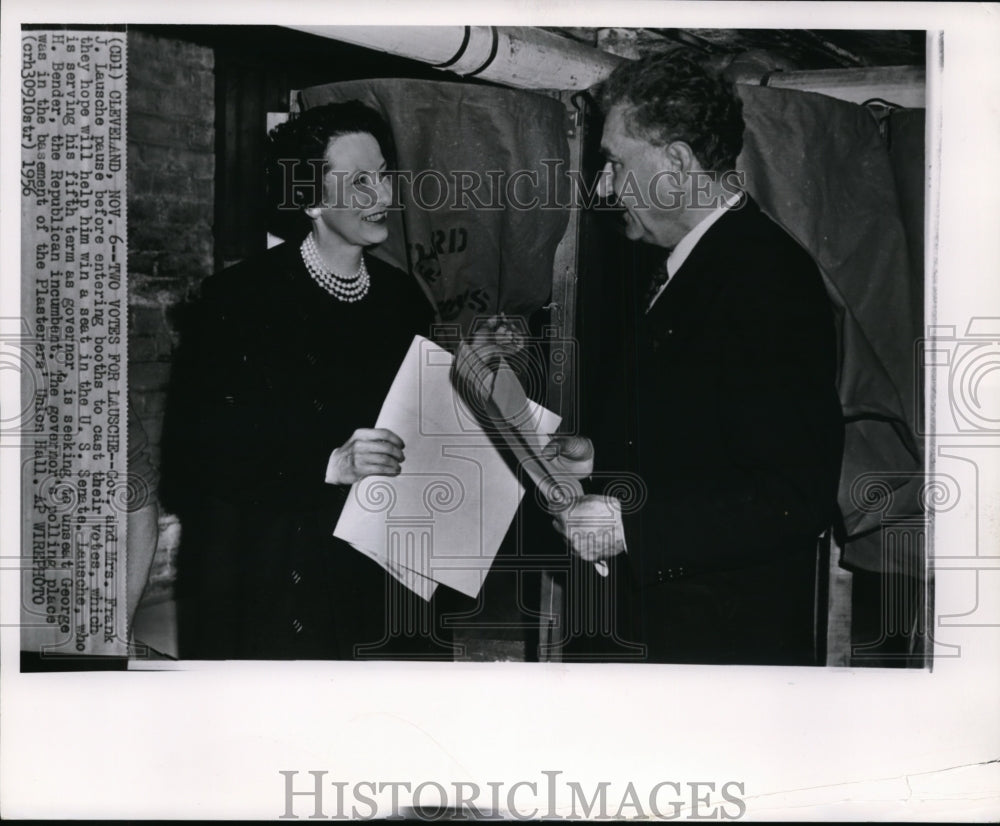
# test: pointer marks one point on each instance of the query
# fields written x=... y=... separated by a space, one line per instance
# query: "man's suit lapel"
x=689 y=294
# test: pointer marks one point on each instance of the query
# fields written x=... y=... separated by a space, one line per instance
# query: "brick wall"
x=171 y=203
x=171 y=169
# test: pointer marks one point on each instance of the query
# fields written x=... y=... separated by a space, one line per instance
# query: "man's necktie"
x=657 y=279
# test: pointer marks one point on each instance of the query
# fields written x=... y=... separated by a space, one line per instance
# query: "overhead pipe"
x=526 y=57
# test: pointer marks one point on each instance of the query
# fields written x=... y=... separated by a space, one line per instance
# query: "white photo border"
x=210 y=740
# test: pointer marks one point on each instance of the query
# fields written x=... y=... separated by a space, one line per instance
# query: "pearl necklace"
x=349 y=289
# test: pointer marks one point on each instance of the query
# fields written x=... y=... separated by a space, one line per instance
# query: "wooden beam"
x=902 y=85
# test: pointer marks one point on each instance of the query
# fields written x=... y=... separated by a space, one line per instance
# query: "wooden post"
x=562 y=391
x=838 y=630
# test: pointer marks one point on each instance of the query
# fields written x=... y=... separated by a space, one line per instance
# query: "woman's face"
x=356 y=193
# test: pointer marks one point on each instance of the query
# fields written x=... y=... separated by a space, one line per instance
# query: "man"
x=736 y=422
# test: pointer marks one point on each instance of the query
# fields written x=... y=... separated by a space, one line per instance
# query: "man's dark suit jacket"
x=738 y=436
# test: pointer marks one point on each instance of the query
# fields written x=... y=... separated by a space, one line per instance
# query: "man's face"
x=645 y=181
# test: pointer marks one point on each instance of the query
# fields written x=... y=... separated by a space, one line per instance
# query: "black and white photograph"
x=515 y=418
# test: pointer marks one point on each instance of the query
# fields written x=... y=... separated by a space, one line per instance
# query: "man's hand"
x=369 y=452
x=498 y=336
x=570 y=455
x=593 y=526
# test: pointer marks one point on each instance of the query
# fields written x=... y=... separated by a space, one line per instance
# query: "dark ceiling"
x=785 y=48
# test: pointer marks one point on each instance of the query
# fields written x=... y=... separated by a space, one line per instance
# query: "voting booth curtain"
x=480 y=222
x=849 y=188
x=482 y=189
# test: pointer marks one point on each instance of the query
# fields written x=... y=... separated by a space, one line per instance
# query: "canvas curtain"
x=817 y=165
x=482 y=190
x=820 y=167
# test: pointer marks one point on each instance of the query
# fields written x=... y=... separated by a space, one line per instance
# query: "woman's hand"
x=369 y=452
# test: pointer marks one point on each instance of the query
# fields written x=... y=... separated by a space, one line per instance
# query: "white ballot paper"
x=441 y=521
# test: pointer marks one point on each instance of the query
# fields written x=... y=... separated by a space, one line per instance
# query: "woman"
x=279 y=378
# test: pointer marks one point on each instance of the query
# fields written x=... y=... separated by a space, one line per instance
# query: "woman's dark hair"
x=673 y=97
x=296 y=150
